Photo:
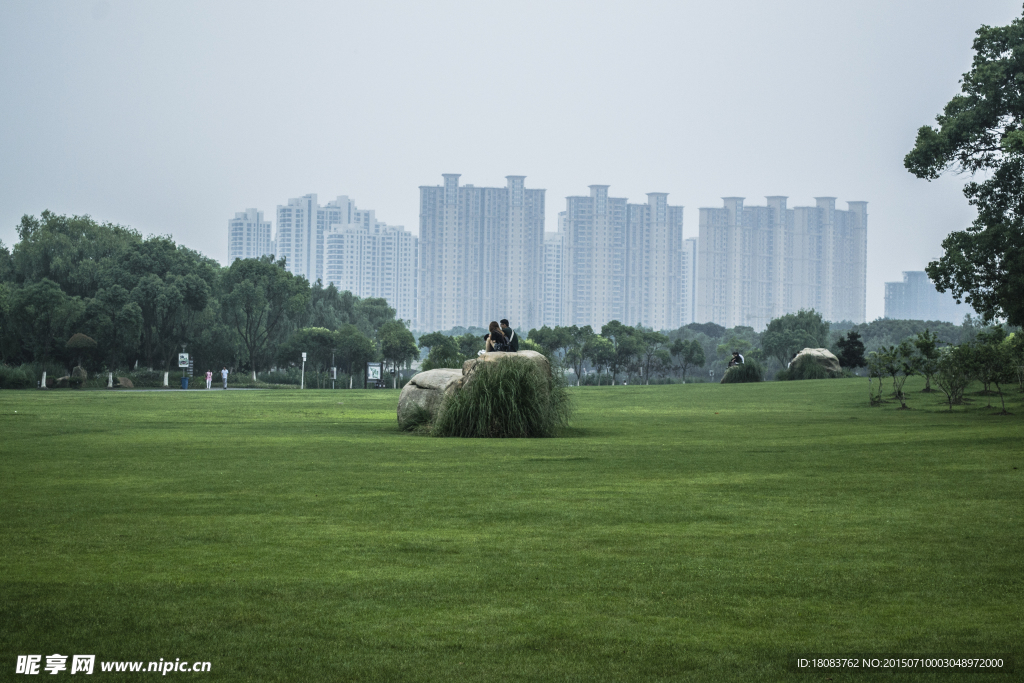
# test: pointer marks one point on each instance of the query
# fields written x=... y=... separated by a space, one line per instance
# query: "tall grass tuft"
x=805 y=367
x=510 y=398
x=748 y=371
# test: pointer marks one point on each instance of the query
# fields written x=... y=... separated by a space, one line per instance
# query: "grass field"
x=687 y=532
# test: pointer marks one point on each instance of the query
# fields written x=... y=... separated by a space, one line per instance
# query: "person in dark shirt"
x=495 y=339
x=510 y=335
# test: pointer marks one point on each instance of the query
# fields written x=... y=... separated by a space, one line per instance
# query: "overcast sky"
x=171 y=116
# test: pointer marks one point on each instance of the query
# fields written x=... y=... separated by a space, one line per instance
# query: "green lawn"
x=689 y=532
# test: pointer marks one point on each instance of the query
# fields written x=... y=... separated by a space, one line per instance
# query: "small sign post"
x=183 y=363
x=373 y=374
x=303 y=384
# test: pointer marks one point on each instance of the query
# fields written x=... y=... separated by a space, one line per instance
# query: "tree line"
x=74 y=291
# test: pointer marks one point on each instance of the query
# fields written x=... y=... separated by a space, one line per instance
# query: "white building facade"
x=480 y=254
x=917 y=299
x=756 y=263
x=249 y=236
x=622 y=261
x=371 y=259
x=336 y=244
x=552 y=278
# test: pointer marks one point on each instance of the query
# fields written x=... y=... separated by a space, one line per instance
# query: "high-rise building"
x=622 y=261
x=756 y=263
x=369 y=258
x=300 y=237
x=552 y=284
x=917 y=299
x=341 y=244
x=688 y=282
x=248 y=235
x=481 y=250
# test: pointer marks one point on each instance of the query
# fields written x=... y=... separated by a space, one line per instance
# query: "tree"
x=851 y=351
x=981 y=130
x=600 y=352
x=43 y=316
x=469 y=344
x=662 y=364
x=320 y=346
x=355 y=349
x=1015 y=351
x=554 y=343
x=397 y=345
x=444 y=351
x=994 y=364
x=927 y=344
x=624 y=346
x=955 y=370
x=688 y=354
x=786 y=336
x=648 y=343
x=575 y=354
x=260 y=296
x=116 y=322
x=898 y=362
x=80 y=344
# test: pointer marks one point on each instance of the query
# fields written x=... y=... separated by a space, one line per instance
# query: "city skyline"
x=812 y=99
x=487 y=255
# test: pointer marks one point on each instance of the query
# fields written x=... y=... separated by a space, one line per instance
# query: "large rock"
x=822 y=357
x=425 y=391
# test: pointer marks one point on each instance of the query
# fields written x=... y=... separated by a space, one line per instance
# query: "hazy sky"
x=171 y=116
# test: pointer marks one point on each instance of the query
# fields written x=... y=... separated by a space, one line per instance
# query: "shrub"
x=284 y=376
x=749 y=371
x=15 y=378
x=510 y=398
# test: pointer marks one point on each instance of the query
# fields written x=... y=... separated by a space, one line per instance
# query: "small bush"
x=287 y=376
x=749 y=371
x=15 y=378
x=511 y=398
x=418 y=419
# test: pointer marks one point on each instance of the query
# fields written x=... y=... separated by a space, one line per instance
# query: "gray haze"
x=169 y=117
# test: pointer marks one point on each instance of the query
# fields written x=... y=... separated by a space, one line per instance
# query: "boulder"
x=425 y=391
x=822 y=357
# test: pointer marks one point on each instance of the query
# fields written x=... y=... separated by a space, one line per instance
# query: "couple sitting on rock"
x=501 y=337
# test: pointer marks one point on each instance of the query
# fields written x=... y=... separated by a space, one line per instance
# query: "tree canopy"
x=981 y=130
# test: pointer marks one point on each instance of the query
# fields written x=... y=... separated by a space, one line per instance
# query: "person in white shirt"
x=224 y=376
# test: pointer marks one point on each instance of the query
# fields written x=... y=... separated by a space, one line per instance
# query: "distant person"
x=496 y=341
x=737 y=359
x=224 y=376
x=209 y=378
x=510 y=336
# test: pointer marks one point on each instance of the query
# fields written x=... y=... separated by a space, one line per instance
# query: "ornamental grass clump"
x=510 y=398
x=748 y=371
